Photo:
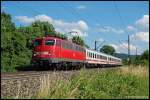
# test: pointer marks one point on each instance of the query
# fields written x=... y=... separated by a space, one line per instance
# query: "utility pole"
x=136 y=51
x=129 y=49
x=95 y=46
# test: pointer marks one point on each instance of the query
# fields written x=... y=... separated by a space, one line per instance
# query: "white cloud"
x=25 y=19
x=108 y=29
x=143 y=23
x=81 y=7
x=131 y=28
x=141 y=36
x=100 y=39
x=125 y=45
x=141 y=29
x=123 y=48
x=82 y=25
x=61 y=26
x=44 y=18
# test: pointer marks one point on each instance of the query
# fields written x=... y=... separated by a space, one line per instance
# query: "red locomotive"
x=56 y=51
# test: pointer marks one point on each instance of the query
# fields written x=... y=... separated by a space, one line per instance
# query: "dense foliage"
x=108 y=49
x=78 y=40
x=108 y=84
x=142 y=59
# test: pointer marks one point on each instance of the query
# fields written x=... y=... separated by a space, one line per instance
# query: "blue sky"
x=107 y=21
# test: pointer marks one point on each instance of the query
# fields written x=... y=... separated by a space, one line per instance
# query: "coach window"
x=100 y=57
x=90 y=54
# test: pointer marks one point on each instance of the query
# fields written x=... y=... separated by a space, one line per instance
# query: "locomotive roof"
x=51 y=37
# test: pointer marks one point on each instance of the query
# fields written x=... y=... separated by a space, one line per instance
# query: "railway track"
x=21 y=75
x=27 y=74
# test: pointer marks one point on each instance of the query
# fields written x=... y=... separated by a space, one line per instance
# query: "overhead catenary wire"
x=119 y=14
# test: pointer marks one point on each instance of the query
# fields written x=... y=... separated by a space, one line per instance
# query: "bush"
x=110 y=84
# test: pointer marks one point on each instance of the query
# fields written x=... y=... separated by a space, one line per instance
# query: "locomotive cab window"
x=49 y=42
x=37 y=42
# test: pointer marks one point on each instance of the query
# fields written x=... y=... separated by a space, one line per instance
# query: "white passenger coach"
x=99 y=58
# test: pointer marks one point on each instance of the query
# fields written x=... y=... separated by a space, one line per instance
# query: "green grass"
x=109 y=84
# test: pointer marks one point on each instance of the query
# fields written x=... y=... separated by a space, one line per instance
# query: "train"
x=53 y=51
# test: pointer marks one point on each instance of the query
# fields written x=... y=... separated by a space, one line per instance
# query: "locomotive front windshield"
x=49 y=42
x=37 y=42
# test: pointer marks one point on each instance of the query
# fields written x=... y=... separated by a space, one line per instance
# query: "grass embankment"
x=125 y=82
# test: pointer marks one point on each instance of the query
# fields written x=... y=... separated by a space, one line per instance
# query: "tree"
x=13 y=43
x=6 y=24
x=78 y=40
x=107 y=49
x=45 y=28
x=145 y=55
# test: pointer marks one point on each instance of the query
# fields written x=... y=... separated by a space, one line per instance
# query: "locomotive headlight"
x=46 y=53
x=37 y=53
